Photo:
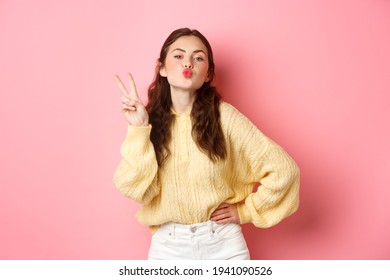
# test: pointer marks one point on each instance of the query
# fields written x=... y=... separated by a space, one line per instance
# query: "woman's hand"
x=132 y=106
x=225 y=213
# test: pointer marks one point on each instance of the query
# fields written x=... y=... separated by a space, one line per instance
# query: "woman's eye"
x=199 y=58
x=178 y=56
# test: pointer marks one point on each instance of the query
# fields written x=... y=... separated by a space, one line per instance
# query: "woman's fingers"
x=218 y=215
x=121 y=86
x=222 y=208
x=131 y=103
x=225 y=213
x=220 y=211
x=221 y=219
x=128 y=100
x=126 y=107
x=133 y=90
x=223 y=205
x=132 y=106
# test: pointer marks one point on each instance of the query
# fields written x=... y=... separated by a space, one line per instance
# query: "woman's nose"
x=187 y=64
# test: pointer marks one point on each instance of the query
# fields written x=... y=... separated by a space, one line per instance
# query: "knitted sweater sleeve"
x=260 y=160
x=136 y=175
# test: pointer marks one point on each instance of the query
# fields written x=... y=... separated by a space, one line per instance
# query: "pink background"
x=312 y=75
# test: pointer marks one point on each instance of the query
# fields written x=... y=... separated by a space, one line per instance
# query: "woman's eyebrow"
x=198 y=51
x=178 y=49
x=181 y=50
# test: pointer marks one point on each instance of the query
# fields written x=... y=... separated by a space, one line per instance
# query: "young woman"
x=192 y=160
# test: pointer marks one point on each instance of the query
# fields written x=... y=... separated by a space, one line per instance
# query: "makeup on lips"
x=187 y=73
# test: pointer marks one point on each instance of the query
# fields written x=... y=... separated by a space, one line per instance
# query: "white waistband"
x=205 y=226
x=208 y=227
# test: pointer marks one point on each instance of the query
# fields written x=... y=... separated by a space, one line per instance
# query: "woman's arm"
x=136 y=175
x=257 y=159
x=277 y=197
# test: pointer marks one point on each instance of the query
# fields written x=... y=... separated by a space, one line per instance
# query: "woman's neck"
x=182 y=101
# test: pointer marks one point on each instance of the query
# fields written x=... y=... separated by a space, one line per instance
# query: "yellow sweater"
x=189 y=186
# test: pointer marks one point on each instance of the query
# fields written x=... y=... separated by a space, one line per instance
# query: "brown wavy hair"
x=205 y=116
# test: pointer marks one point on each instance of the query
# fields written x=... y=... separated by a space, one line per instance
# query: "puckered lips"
x=187 y=73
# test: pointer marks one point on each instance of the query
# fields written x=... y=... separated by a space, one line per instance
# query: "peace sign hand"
x=132 y=106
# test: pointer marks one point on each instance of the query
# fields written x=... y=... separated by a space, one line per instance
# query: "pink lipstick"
x=187 y=73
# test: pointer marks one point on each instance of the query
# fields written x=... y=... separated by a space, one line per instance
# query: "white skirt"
x=203 y=241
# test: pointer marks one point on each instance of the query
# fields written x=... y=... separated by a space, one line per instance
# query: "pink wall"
x=313 y=75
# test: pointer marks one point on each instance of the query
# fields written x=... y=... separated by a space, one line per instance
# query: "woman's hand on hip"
x=225 y=213
x=132 y=106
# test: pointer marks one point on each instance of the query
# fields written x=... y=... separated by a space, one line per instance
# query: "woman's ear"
x=207 y=78
x=162 y=70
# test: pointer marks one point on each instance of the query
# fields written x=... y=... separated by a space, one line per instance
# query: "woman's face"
x=186 y=65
